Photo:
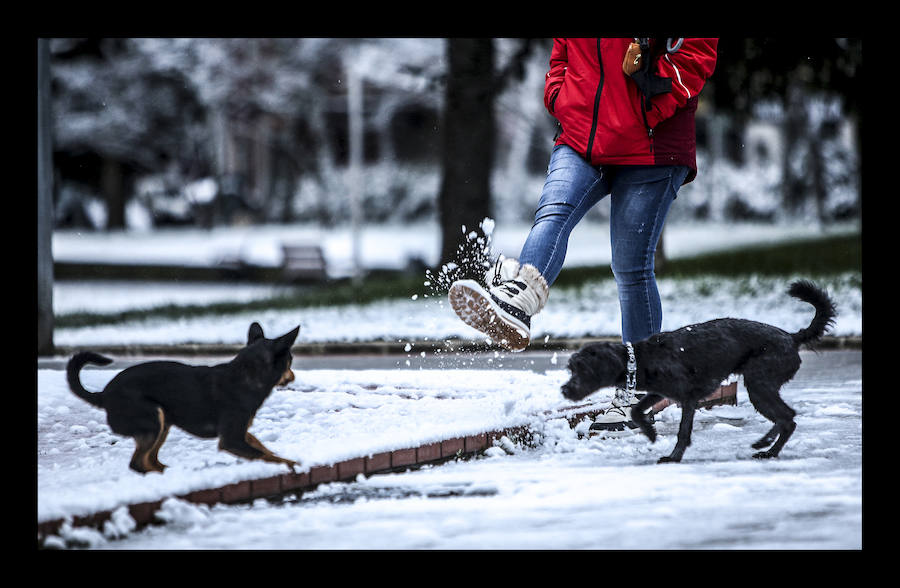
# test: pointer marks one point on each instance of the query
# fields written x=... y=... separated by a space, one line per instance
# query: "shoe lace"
x=615 y=409
x=495 y=277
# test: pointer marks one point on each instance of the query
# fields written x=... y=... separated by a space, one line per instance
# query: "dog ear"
x=612 y=353
x=287 y=340
x=604 y=362
x=255 y=333
x=606 y=352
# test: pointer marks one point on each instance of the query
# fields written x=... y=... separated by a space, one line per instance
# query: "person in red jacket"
x=625 y=108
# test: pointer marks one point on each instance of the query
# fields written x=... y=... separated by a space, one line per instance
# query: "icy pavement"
x=564 y=493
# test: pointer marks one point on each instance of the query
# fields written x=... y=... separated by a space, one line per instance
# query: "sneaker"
x=503 y=312
x=617 y=418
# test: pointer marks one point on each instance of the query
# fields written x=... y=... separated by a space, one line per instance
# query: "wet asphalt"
x=828 y=366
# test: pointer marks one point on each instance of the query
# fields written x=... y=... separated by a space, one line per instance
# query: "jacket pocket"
x=551 y=103
x=557 y=100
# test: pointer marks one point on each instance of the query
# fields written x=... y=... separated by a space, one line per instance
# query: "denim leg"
x=639 y=202
x=572 y=187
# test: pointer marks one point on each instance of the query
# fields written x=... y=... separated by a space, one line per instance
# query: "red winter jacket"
x=600 y=110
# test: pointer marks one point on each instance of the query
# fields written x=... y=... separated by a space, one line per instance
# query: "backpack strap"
x=646 y=79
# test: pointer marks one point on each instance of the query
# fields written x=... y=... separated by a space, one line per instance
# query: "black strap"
x=646 y=79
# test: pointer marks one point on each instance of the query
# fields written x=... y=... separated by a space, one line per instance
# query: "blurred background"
x=274 y=160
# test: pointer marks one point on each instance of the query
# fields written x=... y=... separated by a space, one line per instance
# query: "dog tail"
x=825 y=311
x=74 y=366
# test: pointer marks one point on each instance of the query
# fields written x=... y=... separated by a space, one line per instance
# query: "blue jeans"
x=640 y=197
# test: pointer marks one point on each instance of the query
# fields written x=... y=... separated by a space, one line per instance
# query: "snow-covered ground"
x=566 y=493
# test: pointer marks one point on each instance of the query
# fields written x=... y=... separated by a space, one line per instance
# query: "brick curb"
x=144 y=513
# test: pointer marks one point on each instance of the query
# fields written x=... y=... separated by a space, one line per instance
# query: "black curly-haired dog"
x=688 y=364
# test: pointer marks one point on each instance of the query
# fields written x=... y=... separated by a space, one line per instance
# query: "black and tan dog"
x=144 y=400
x=688 y=364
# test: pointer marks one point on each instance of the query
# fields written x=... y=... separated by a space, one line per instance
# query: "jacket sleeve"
x=559 y=60
x=688 y=68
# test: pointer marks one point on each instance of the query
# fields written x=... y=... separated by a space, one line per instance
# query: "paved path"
x=539 y=361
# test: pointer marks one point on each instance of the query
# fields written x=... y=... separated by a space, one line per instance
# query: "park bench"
x=303 y=263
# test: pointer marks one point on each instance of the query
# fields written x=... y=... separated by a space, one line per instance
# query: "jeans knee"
x=632 y=276
x=559 y=212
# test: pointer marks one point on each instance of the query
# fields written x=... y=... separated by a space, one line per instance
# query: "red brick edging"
x=144 y=513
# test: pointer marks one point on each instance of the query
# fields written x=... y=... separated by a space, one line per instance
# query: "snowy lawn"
x=591 y=310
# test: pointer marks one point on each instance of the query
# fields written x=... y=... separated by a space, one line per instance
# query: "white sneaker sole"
x=616 y=428
x=476 y=308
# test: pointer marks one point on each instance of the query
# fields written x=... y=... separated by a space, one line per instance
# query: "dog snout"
x=286 y=378
x=573 y=390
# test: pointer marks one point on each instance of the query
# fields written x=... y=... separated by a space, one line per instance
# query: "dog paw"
x=649 y=431
x=668 y=459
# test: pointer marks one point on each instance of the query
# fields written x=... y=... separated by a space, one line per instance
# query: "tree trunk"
x=113 y=186
x=793 y=180
x=468 y=141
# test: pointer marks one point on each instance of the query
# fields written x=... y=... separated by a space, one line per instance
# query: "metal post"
x=44 y=203
x=355 y=115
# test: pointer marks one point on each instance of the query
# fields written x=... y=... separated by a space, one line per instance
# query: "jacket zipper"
x=590 y=145
x=646 y=124
x=644 y=115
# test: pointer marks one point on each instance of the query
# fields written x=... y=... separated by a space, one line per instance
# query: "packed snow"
x=564 y=492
